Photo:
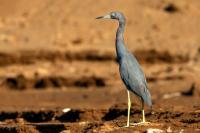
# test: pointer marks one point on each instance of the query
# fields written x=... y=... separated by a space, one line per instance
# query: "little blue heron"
x=130 y=71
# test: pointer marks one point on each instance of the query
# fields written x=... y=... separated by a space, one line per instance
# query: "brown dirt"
x=55 y=55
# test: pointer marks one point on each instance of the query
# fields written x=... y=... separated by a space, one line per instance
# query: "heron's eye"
x=112 y=15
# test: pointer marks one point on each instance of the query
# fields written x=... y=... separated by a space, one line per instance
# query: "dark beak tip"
x=99 y=17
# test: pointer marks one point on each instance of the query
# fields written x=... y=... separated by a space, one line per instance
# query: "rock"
x=154 y=130
x=65 y=131
x=65 y=110
x=169 y=130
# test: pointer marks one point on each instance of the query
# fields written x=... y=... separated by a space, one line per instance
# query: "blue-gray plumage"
x=130 y=71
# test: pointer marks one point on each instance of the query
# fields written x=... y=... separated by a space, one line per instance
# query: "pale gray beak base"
x=105 y=17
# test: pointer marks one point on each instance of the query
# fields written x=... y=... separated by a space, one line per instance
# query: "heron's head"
x=113 y=15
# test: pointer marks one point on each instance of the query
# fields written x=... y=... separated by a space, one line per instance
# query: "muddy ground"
x=54 y=55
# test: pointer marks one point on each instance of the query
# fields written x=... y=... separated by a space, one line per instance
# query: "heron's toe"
x=127 y=126
x=140 y=123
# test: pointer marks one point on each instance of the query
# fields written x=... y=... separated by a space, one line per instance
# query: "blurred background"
x=55 y=54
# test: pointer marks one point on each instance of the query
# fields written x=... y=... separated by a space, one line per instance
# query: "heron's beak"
x=105 y=17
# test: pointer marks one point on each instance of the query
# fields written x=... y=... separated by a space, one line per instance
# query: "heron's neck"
x=120 y=48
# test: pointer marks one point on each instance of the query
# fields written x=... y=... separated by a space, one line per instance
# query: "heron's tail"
x=147 y=98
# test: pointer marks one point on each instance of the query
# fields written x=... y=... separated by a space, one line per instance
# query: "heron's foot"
x=140 y=123
x=130 y=125
x=126 y=126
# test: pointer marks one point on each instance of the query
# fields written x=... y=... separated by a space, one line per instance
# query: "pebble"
x=154 y=130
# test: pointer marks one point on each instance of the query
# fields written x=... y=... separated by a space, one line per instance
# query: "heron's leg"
x=143 y=122
x=143 y=114
x=129 y=107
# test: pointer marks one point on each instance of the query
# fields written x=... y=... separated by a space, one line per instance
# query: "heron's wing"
x=130 y=81
x=135 y=67
x=134 y=78
x=130 y=75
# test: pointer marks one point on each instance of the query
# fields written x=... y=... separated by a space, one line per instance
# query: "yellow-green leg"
x=143 y=122
x=129 y=108
x=128 y=115
x=143 y=114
